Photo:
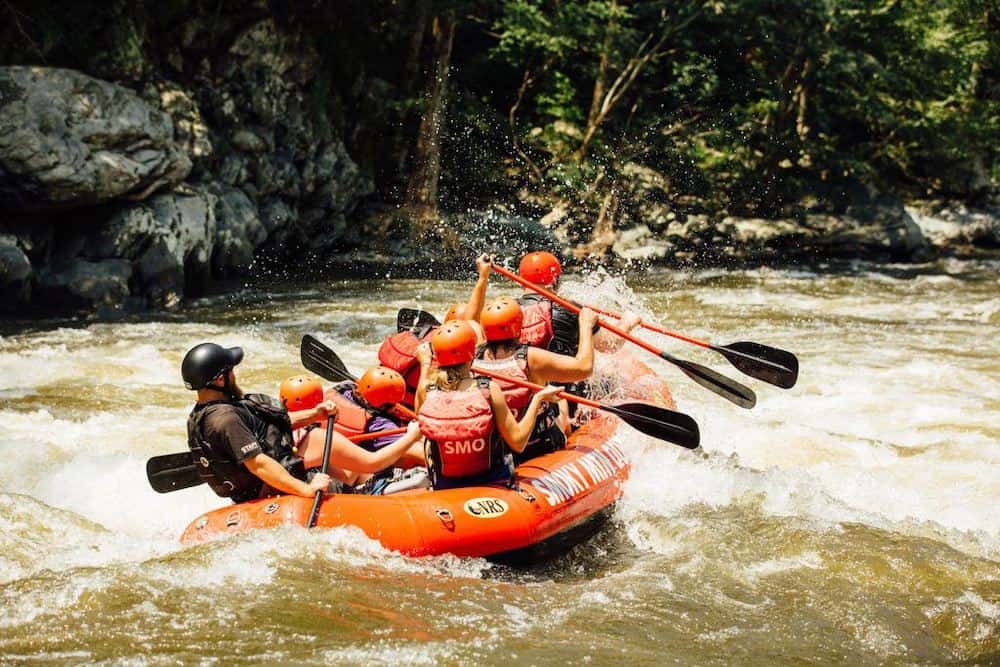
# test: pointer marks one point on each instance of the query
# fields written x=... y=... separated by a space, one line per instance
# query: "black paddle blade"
x=774 y=366
x=675 y=427
x=323 y=361
x=411 y=318
x=717 y=383
x=172 y=472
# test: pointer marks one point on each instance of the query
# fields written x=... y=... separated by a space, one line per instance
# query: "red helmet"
x=301 y=392
x=456 y=311
x=502 y=319
x=380 y=385
x=541 y=268
x=454 y=343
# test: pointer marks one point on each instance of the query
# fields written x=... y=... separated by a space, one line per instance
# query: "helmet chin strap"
x=227 y=387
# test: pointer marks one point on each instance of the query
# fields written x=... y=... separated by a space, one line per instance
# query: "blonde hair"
x=448 y=378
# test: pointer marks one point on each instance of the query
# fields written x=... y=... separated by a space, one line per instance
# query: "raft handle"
x=446 y=518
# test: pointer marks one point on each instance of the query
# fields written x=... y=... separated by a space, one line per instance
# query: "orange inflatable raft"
x=557 y=500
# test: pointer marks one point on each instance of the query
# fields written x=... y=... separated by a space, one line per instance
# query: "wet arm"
x=474 y=306
x=515 y=433
x=346 y=454
x=274 y=474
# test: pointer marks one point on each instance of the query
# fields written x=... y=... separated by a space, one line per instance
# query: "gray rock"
x=87 y=285
x=170 y=238
x=248 y=142
x=641 y=244
x=953 y=225
x=15 y=274
x=276 y=214
x=238 y=231
x=68 y=140
x=234 y=170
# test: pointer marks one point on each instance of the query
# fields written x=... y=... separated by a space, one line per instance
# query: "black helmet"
x=203 y=363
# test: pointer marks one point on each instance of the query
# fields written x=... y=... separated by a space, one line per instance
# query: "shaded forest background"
x=758 y=108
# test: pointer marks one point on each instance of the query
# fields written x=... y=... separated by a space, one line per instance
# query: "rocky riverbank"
x=120 y=197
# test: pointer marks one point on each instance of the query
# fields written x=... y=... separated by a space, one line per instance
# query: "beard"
x=236 y=389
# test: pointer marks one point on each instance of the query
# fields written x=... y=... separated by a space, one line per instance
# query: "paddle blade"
x=323 y=361
x=411 y=318
x=675 y=427
x=172 y=472
x=774 y=366
x=715 y=382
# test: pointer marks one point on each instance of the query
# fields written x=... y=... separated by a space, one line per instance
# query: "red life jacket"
x=459 y=425
x=515 y=366
x=536 y=329
x=398 y=352
x=352 y=419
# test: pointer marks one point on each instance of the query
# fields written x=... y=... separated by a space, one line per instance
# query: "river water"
x=853 y=519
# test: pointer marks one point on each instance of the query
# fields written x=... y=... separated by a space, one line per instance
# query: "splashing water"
x=850 y=519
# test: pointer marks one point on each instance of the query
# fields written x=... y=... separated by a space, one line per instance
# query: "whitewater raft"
x=557 y=500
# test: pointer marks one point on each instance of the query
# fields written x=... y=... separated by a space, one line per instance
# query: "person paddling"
x=399 y=351
x=549 y=325
x=468 y=427
x=351 y=462
x=242 y=443
x=502 y=321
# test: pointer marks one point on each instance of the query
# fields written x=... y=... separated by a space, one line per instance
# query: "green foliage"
x=743 y=105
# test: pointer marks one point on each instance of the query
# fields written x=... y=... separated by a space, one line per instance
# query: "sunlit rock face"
x=69 y=140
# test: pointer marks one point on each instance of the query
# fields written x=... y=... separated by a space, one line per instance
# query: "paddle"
x=323 y=361
x=323 y=468
x=770 y=364
x=715 y=382
x=173 y=472
x=675 y=427
x=411 y=318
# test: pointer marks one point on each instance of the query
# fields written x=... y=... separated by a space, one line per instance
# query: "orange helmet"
x=454 y=343
x=301 y=392
x=541 y=268
x=502 y=319
x=456 y=311
x=380 y=385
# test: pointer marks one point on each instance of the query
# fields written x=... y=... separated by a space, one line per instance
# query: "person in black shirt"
x=242 y=443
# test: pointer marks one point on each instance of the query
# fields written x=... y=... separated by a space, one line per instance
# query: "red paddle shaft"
x=569 y=305
x=656 y=328
x=376 y=434
x=531 y=385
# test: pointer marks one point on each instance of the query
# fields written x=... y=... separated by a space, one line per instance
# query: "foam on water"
x=891 y=427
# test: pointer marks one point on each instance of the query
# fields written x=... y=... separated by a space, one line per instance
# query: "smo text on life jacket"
x=268 y=421
x=515 y=366
x=399 y=352
x=460 y=432
x=536 y=329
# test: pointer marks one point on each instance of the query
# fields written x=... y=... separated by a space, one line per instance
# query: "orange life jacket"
x=398 y=352
x=459 y=426
x=352 y=419
x=515 y=366
x=536 y=330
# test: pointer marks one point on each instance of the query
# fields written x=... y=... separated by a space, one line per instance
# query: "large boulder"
x=85 y=285
x=170 y=241
x=238 y=231
x=15 y=274
x=69 y=140
x=955 y=226
x=872 y=227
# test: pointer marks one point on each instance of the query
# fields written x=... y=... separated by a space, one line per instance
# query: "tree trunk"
x=422 y=189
